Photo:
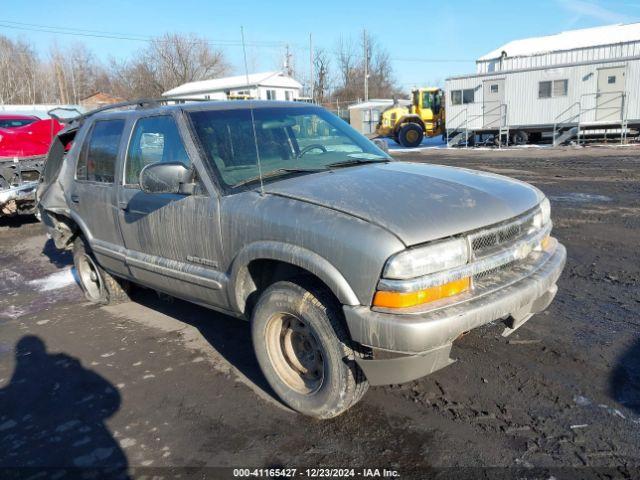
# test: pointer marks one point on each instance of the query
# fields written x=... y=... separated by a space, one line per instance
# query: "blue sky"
x=414 y=33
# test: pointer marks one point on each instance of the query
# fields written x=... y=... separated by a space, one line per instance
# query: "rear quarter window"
x=97 y=161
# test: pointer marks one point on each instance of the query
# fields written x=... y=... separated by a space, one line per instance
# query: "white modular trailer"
x=582 y=82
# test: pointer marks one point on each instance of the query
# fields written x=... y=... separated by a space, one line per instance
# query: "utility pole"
x=311 y=73
x=366 y=65
x=287 y=61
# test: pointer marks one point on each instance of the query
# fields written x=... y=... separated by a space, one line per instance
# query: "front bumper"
x=12 y=200
x=425 y=338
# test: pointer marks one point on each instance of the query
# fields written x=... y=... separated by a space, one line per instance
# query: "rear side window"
x=97 y=162
x=154 y=140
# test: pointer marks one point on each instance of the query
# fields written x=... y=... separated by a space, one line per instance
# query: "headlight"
x=542 y=217
x=420 y=261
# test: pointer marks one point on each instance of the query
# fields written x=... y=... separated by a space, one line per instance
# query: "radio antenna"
x=253 y=119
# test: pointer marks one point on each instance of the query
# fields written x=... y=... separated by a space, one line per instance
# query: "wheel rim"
x=90 y=277
x=295 y=353
x=412 y=136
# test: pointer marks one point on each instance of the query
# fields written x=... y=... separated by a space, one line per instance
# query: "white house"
x=567 y=84
x=261 y=86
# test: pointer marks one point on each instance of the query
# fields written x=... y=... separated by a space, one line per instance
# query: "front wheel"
x=411 y=135
x=304 y=350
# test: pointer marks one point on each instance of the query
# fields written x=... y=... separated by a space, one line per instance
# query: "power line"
x=80 y=32
x=123 y=36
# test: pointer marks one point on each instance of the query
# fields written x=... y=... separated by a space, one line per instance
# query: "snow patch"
x=55 y=281
x=569 y=40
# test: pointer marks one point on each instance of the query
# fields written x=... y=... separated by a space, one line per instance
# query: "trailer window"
x=560 y=88
x=459 y=97
x=555 y=88
x=544 y=90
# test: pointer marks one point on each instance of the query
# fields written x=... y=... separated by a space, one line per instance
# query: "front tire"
x=411 y=135
x=97 y=284
x=304 y=350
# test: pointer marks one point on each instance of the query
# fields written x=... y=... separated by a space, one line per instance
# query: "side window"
x=555 y=88
x=560 y=88
x=154 y=139
x=456 y=97
x=544 y=89
x=97 y=161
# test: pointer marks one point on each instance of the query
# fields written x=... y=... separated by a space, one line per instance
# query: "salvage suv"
x=354 y=269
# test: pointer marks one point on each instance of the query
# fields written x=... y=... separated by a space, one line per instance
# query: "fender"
x=82 y=226
x=411 y=118
x=294 y=255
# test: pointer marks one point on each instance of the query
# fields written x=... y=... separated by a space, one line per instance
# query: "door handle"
x=123 y=205
x=75 y=198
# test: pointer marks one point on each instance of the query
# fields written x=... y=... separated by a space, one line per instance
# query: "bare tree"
x=351 y=68
x=75 y=73
x=347 y=60
x=166 y=63
x=178 y=59
x=322 y=81
x=19 y=72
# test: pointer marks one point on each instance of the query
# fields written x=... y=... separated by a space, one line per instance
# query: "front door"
x=492 y=103
x=92 y=193
x=610 y=98
x=172 y=240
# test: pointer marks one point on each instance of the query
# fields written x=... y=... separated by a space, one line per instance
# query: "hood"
x=416 y=202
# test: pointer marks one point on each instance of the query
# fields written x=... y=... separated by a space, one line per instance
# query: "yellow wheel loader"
x=409 y=125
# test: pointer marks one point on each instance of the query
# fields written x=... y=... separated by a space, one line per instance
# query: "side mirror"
x=382 y=144
x=170 y=177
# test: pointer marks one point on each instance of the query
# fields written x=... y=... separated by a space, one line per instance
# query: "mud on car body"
x=353 y=269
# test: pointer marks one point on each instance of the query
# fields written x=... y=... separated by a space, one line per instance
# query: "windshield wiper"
x=279 y=172
x=356 y=161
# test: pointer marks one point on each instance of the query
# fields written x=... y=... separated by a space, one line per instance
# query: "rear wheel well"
x=63 y=229
x=259 y=274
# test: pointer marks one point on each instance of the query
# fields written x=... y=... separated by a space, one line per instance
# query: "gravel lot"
x=160 y=383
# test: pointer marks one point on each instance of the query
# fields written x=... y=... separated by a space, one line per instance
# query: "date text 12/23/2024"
x=315 y=473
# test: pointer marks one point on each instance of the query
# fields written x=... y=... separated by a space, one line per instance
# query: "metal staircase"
x=577 y=120
x=455 y=135
x=503 y=132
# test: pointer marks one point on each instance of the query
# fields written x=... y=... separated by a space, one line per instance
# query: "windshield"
x=427 y=98
x=289 y=141
x=15 y=122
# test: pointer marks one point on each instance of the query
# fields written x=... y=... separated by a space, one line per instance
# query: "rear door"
x=493 y=99
x=92 y=192
x=172 y=240
x=609 y=99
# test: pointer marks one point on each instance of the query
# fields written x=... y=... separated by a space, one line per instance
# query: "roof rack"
x=139 y=104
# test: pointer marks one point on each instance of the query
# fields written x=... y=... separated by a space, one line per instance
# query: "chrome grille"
x=490 y=240
x=487 y=240
x=493 y=271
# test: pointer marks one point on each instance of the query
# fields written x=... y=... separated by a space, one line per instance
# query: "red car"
x=24 y=143
x=26 y=135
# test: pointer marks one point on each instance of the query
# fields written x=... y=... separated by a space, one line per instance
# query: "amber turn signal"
x=411 y=299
